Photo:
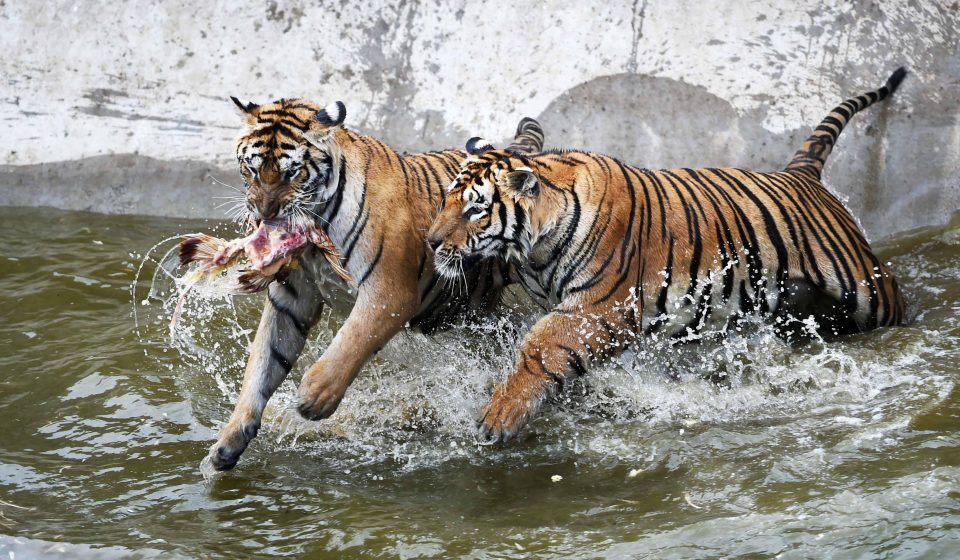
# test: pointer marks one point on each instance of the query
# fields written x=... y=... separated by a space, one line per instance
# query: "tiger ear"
x=519 y=183
x=325 y=122
x=477 y=145
x=333 y=114
x=249 y=109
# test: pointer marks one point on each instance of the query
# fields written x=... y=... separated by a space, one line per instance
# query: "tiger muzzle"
x=434 y=241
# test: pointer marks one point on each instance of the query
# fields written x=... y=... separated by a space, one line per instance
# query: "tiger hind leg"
x=801 y=300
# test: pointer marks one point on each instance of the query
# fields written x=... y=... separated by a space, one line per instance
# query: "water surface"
x=848 y=448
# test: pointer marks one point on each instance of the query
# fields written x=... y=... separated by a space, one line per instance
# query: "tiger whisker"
x=308 y=207
x=223 y=184
x=233 y=202
x=463 y=276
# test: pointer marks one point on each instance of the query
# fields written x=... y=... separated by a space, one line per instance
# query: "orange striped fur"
x=619 y=252
x=300 y=164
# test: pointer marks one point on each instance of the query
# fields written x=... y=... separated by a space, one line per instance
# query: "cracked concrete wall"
x=122 y=107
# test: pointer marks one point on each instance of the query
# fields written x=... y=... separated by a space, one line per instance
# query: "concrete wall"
x=122 y=107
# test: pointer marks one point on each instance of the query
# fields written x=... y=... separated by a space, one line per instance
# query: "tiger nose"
x=270 y=210
x=434 y=242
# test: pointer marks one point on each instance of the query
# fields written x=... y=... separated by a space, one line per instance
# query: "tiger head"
x=487 y=209
x=286 y=160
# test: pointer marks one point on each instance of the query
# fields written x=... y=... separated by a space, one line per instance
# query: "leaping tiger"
x=300 y=164
x=619 y=252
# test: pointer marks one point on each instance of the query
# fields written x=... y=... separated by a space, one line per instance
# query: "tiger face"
x=485 y=212
x=285 y=159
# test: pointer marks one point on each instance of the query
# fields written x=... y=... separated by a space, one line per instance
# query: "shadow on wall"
x=881 y=167
x=660 y=122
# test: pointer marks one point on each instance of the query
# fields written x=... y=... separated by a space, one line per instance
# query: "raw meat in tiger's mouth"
x=272 y=245
x=269 y=248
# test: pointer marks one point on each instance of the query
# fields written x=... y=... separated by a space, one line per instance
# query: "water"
x=843 y=449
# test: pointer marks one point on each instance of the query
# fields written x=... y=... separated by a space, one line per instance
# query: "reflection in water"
x=811 y=449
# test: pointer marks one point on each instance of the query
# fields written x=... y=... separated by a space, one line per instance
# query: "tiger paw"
x=320 y=395
x=504 y=416
x=233 y=441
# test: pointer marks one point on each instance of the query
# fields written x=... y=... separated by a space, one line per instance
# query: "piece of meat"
x=269 y=248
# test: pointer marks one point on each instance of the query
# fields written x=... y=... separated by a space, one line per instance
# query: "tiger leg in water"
x=387 y=299
x=293 y=306
x=560 y=347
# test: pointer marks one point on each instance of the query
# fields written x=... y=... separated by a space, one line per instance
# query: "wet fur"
x=618 y=252
x=301 y=163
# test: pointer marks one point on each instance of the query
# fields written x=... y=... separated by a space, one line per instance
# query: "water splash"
x=414 y=405
x=211 y=338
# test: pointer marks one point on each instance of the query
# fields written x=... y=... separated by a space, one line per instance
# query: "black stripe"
x=419 y=175
x=773 y=235
x=290 y=289
x=662 y=317
x=373 y=263
x=587 y=250
x=560 y=248
x=436 y=179
x=633 y=211
x=278 y=357
x=406 y=176
x=801 y=207
x=748 y=238
x=574 y=361
x=598 y=275
x=332 y=209
x=295 y=123
x=274 y=128
x=838 y=253
x=299 y=324
x=361 y=211
x=661 y=202
x=726 y=245
x=352 y=243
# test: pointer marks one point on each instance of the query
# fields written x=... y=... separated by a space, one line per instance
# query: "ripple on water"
x=750 y=446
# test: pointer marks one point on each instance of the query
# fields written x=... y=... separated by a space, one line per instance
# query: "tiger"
x=300 y=164
x=617 y=253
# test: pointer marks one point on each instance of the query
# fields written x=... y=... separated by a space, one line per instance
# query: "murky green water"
x=848 y=449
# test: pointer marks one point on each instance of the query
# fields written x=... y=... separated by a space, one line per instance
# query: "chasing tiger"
x=302 y=167
x=618 y=252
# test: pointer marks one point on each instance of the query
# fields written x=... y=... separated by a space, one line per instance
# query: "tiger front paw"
x=505 y=415
x=320 y=395
x=233 y=441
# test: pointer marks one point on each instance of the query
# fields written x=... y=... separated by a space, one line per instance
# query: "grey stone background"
x=123 y=107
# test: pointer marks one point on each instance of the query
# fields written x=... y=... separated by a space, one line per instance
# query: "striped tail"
x=813 y=153
x=529 y=137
